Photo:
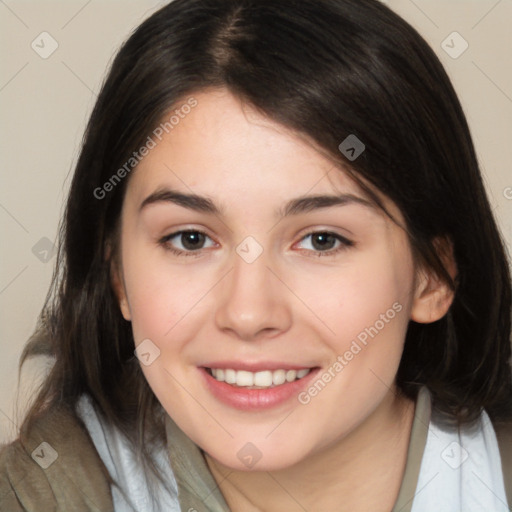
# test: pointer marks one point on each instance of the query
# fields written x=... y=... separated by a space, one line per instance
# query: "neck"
x=361 y=471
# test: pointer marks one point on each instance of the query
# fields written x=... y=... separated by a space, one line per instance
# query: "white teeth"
x=263 y=379
x=279 y=377
x=244 y=378
x=230 y=376
x=302 y=373
x=291 y=375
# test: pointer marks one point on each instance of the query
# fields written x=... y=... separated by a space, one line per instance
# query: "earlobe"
x=119 y=290
x=125 y=310
x=432 y=295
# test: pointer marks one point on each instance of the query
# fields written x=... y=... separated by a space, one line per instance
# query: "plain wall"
x=45 y=103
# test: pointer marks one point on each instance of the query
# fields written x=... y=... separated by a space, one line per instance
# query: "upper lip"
x=255 y=366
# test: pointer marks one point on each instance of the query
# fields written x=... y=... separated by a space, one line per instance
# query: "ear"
x=432 y=295
x=117 y=283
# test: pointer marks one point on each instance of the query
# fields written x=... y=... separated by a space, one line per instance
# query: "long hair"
x=328 y=69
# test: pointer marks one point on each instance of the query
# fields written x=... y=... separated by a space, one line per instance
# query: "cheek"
x=166 y=309
x=366 y=305
x=148 y=289
x=165 y=300
x=377 y=314
x=370 y=288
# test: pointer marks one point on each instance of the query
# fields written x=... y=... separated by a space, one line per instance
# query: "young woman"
x=280 y=283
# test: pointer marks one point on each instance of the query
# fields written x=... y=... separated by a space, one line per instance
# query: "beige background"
x=45 y=104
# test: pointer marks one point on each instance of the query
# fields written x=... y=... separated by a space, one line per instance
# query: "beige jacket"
x=77 y=480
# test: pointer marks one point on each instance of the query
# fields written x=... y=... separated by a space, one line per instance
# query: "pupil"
x=192 y=239
x=323 y=241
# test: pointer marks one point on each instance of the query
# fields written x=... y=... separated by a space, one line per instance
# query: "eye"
x=186 y=242
x=325 y=243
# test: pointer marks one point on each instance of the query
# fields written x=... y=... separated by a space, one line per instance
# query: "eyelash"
x=168 y=247
x=345 y=243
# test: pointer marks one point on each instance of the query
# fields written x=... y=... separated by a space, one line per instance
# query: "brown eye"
x=192 y=240
x=324 y=243
x=187 y=242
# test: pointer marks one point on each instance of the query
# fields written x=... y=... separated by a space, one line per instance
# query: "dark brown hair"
x=328 y=69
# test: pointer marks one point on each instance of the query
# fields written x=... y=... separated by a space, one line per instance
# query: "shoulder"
x=55 y=467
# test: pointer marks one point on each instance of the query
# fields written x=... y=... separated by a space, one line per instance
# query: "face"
x=245 y=251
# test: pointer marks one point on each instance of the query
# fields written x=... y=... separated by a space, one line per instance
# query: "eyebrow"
x=295 y=206
x=190 y=201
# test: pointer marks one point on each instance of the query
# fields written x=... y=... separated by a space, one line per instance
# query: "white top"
x=460 y=470
x=115 y=452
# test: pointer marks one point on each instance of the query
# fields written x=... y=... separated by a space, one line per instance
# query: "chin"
x=256 y=456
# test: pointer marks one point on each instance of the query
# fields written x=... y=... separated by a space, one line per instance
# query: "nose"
x=253 y=303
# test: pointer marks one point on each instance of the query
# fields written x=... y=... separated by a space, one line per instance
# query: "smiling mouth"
x=265 y=379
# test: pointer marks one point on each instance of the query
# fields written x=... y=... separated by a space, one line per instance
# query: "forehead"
x=226 y=149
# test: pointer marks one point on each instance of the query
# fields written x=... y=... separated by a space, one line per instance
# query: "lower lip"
x=256 y=399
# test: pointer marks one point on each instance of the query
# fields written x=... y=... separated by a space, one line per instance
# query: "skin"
x=346 y=448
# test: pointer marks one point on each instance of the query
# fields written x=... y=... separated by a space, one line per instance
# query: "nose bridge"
x=252 y=302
